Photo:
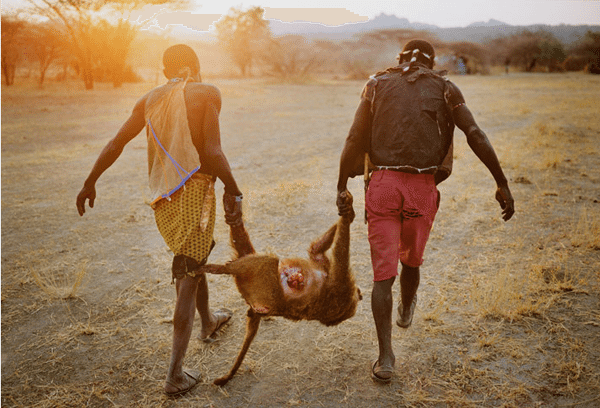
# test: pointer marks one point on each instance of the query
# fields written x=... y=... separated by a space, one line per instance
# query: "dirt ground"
x=508 y=313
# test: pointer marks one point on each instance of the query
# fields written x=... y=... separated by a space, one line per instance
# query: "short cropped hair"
x=177 y=57
x=425 y=55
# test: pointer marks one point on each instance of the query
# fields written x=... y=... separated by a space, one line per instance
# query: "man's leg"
x=183 y=320
x=208 y=322
x=420 y=207
x=382 y=202
x=409 y=283
x=382 y=306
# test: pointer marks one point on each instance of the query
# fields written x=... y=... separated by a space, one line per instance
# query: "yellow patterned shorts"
x=186 y=220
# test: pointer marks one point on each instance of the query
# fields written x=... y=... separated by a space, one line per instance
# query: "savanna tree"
x=529 y=49
x=12 y=41
x=244 y=34
x=291 y=56
x=524 y=49
x=552 y=54
x=80 y=20
x=588 y=49
x=112 y=43
x=43 y=45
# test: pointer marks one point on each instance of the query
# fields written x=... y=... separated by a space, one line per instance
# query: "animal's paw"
x=344 y=204
x=222 y=381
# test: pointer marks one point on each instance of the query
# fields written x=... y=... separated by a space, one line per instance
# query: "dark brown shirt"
x=409 y=117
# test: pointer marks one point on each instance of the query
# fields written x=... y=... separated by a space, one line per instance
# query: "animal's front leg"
x=341 y=247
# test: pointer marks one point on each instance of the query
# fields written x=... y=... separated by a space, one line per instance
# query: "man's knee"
x=385 y=283
x=185 y=267
x=410 y=269
x=381 y=297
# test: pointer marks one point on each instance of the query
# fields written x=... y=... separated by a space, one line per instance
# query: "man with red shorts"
x=405 y=123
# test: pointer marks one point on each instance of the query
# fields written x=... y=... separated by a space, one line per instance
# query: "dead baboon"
x=319 y=288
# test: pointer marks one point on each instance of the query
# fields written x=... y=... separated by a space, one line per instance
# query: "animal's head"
x=340 y=311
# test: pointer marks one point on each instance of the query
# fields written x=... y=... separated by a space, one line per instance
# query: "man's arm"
x=208 y=143
x=212 y=153
x=111 y=152
x=481 y=146
x=356 y=145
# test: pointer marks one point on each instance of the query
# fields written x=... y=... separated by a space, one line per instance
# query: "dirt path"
x=508 y=314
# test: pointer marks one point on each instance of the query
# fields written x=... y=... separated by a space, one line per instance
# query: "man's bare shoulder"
x=202 y=90
x=152 y=96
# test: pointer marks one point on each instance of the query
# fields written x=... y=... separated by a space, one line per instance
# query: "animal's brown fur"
x=261 y=280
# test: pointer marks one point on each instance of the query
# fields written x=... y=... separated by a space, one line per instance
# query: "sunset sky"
x=456 y=13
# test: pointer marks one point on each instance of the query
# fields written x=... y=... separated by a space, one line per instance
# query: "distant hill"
x=476 y=32
x=491 y=23
x=381 y=22
x=567 y=34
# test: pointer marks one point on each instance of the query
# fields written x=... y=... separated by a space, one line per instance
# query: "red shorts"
x=401 y=208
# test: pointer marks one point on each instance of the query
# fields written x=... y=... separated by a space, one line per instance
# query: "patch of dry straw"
x=60 y=283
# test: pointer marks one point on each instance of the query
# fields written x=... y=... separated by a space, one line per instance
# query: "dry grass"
x=62 y=283
x=506 y=295
x=587 y=229
x=507 y=314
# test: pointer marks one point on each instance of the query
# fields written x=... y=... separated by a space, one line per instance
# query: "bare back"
x=203 y=106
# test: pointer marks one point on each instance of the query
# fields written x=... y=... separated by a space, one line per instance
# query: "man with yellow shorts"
x=184 y=159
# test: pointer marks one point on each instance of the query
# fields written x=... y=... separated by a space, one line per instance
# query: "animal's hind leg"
x=238 y=234
x=317 y=249
x=241 y=240
x=252 y=323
